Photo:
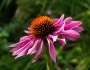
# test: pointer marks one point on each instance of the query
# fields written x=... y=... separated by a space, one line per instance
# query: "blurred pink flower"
x=49 y=12
x=44 y=29
x=67 y=69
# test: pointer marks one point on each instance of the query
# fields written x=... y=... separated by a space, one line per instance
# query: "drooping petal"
x=61 y=41
x=53 y=37
x=18 y=47
x=14 y=49
x=51 y=50
x=24 y=38
x=25 y=49
x=70 y=34
x=72 y=25
x=33 y=49
x=78 y=29
x=18 y=44
x=39 y=52
x=22 y=47
x=19 y=50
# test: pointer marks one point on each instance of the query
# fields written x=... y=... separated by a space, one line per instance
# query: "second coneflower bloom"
x=43 y=29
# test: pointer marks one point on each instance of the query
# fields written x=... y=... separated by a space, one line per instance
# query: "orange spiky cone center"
x=41 y=27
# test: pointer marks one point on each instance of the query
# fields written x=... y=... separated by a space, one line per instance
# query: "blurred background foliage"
x=16 y=15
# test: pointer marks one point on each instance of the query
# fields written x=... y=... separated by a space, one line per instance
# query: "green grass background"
x=16 y=15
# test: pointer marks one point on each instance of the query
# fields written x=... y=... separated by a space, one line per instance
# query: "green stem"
x=48 y=59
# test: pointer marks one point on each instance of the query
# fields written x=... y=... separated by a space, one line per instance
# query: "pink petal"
x=25 y=50
x=61 y=41
x=28 y=28
x=24 y=38
x=68 y=20
x=22 y=47
x=72 y=25
x=60 y=19
x=70 y=34
x=14 y=49
x=19 y=50
x=59 y=25
x=38 y=53
x=18 y=47
x=18 y=44
x=55 y=20
x=53 y=37
x=78 y=29
x=33 y=49
x=61 y=29
x=51 y=50
x=26 y=31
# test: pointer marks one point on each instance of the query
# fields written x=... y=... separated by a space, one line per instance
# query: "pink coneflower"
x=44 y=29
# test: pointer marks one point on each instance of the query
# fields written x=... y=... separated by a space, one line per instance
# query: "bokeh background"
x=16 y=15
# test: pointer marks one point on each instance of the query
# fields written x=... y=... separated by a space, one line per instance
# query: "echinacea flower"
x=44 y=29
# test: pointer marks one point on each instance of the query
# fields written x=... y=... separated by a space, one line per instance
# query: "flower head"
x=43 y=29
